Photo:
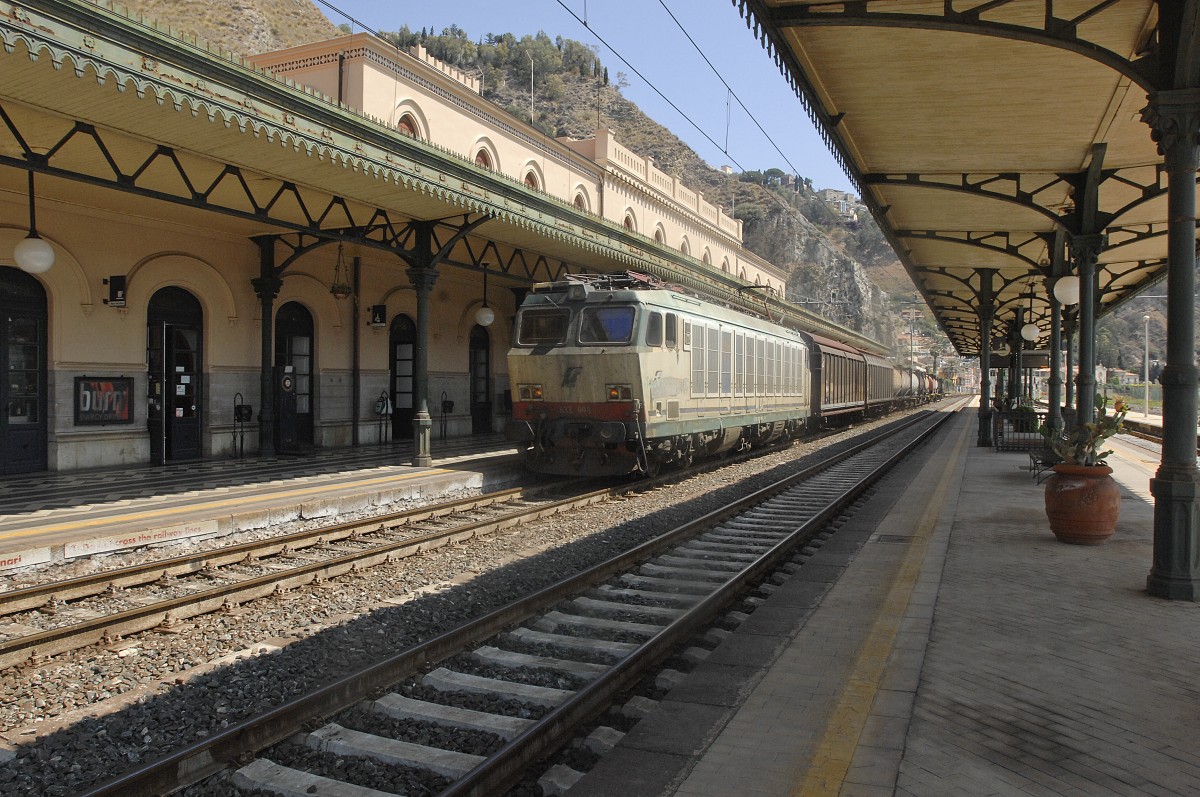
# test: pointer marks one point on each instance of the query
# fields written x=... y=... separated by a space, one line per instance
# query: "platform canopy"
x=990 y=134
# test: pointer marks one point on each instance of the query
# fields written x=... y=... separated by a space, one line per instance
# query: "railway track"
x=594 y=635
x=46 y=620
x=102 y=607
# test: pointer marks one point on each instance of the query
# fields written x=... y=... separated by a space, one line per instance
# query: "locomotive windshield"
x=606 y=325
x=541 y=327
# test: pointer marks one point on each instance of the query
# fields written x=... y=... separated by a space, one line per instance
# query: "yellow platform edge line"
x=839 y=741
x=212 y=505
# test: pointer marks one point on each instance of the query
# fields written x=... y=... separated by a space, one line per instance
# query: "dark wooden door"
x=174 y=407
x=403 y=340
x=294 y=346
x=481 y=381
x=22 y=373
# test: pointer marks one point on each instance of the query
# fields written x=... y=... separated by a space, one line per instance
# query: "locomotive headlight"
x=529 y=392
x=619 y=392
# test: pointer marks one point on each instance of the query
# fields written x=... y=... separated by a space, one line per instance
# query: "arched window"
x=580 y=202
x=684 y=247
x=531 y=180
x=707 y=258
x=407 y=126
x=629 y=222
x=483 y=159
x=725 y=265
x=659 y=237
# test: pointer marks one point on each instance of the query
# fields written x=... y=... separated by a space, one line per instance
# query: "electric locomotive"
x=618 y=374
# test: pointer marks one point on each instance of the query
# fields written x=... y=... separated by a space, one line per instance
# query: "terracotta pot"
x=1082 y=503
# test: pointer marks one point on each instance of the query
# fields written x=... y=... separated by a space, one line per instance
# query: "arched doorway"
x=23 y=365
x=403 y=338
x=294 y=348
x=481 y=380
x=175 y=329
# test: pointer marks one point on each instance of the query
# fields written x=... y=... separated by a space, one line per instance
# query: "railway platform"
x=54 y=517
x=942 y=642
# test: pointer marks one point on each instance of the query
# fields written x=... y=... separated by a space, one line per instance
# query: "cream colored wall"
x=613 y=179
x=86 y=337
x=658 y=201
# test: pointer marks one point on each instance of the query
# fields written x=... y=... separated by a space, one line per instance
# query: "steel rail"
x=213 y=753
x=92 y=584
x=501 y=770
x=31 y=648
x=168 y=612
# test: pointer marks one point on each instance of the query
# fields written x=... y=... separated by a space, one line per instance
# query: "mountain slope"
x=244 y=27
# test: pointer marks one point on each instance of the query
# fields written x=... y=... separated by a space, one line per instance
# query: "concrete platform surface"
x=56 y=517
x=943 y=643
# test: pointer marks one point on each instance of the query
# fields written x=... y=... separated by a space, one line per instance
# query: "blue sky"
x=643 y=32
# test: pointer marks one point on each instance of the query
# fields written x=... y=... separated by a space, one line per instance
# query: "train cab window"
x=654 y=330
x=606 y=325
x=540 y=327
x=672 y=331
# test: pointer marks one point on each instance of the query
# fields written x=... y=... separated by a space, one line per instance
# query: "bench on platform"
x=1042 y=460
x=1017 y=431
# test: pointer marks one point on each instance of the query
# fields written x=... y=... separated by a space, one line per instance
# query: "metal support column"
x=422 y=273
x=987 y=302
x=1070 y=322
x=266 y=287
x=1174 y=117
x=1085 y=250
x=356 y=353
x=1054 y=419
x=1015 y=342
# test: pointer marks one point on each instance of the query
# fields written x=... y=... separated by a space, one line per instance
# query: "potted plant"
x=1082 y=500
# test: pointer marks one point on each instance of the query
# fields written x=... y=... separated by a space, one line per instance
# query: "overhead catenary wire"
x=653 y=87
x=732 y=93
x=584 y=21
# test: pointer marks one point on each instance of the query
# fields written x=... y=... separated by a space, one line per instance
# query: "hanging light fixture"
x=341 y=277
x=1031 y=331
x=484 y=316
x=33 y=255
x=1066 y=290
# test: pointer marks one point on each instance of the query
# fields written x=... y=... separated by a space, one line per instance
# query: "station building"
x=318 y=247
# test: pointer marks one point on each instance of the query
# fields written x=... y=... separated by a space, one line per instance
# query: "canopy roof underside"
x=973 y=131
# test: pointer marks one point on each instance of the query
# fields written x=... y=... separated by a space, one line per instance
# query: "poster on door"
x=103 y=400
